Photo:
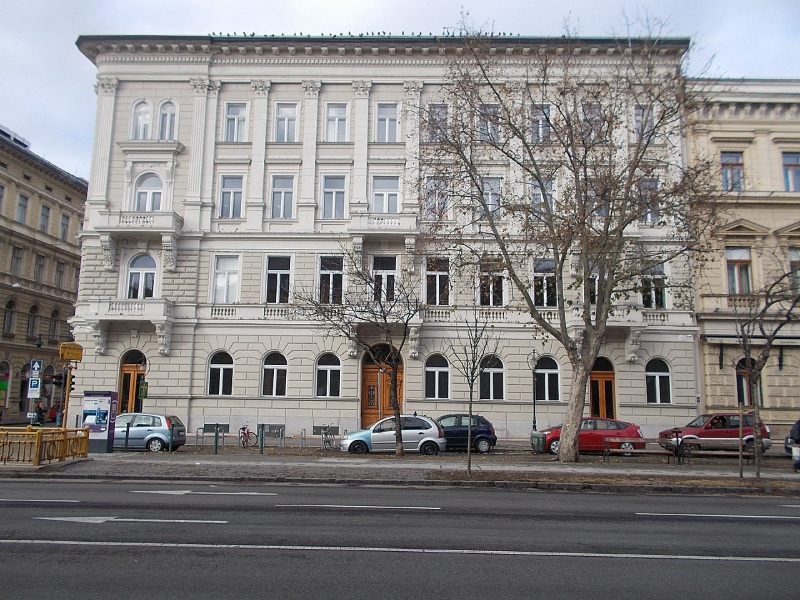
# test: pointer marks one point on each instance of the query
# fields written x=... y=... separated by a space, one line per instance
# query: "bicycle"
x=247 y=437
x=328 y=438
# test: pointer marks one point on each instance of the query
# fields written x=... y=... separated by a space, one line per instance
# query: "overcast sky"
x=46 y=85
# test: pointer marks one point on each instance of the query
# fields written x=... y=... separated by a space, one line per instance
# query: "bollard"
x=127 y=433
x=216 y=437
x=261 y=438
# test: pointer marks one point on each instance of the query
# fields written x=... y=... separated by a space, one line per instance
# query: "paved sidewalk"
x=512 y=465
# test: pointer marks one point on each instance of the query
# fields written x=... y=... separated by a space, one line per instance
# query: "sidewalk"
x=512 y=464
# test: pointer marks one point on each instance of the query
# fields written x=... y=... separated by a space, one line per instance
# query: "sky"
x=47 y=86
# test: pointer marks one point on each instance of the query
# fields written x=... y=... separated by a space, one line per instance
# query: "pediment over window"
x=790 y=231
x=743 y=228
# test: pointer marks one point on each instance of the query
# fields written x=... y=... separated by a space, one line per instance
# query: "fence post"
x=216 y=437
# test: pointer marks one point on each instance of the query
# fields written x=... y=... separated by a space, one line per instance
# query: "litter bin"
x=537 y=442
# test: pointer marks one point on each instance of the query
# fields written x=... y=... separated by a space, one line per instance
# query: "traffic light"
x=71 y=383
x=58 y=379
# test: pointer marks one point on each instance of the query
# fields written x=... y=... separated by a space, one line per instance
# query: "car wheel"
x=155 y=445
x=691 y=447
x=554 y=446
x=626 y=446
x=749 y=445
x=429 y=448
x=358 y=448
x=483 y=446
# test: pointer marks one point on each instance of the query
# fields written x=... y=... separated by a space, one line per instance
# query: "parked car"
x=456 y=429
x=420 y=434
x=592 y=433
x=722 y=428
x=149 y=431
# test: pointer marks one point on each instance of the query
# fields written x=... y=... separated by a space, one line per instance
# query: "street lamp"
x=532 y=359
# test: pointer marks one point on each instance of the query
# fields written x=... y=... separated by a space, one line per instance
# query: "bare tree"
x=374 y=313
x=570 y=156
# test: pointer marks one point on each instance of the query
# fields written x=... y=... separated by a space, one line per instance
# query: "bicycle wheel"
x=252 y=439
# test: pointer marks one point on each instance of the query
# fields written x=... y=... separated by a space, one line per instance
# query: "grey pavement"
x=512 y=464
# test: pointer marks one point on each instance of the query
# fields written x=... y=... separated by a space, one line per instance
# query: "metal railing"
x=36 y=445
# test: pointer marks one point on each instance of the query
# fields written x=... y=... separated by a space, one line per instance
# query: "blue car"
x=420 y=434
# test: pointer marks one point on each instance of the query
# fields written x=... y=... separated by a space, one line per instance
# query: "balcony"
x=155 y=310
x=139 y=224
x=246 y=312
x=382 y=223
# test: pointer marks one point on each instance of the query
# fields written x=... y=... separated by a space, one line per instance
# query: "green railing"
x=37 y=445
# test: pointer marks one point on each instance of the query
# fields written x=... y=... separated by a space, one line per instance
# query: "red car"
x=720 y=429
x=593 y=431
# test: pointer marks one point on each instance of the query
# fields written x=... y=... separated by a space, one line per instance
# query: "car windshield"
x=699 y=421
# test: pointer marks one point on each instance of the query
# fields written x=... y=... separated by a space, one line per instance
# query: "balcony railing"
x=113 y=309
x=141 y=222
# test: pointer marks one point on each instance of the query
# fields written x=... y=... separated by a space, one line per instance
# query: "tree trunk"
x=568 y=448
x=398 y=426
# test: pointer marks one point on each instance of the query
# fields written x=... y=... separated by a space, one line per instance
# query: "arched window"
x=274 y=380
x=743 y=392
x=147 y=197
x=52 y=332
x=329 y=376
x=547 y=379
x=141 y=121
x=437 y=377
x=141 y=277
x=491 y=378
x=166 y=121
x=220 y=375
x=657 y=382
x=33 y=322
x=9 y=315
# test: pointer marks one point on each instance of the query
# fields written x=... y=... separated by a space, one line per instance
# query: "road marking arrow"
x=117 y=519
x=185 y=492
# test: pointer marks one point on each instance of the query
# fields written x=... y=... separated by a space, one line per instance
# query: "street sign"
x=34 y=387
x=70 y=351
x=36 y=366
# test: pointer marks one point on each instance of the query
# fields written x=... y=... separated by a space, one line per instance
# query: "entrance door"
x=601 y=391
x=375 y=403
x=130 y=378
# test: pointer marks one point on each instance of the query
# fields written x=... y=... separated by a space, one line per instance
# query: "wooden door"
x=375 y=402
x=601 y=394
x=130 y=378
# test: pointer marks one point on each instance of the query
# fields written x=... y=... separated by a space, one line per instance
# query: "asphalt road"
x=187 y=540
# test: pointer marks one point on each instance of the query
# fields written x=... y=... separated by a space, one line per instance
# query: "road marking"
x=117 y=519
x=541 y=553
x=38 y=500
x=185 y=492
x=700 y=515
x=358 y=506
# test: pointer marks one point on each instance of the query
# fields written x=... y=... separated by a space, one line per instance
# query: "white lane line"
x=117 y=519
x=790 y=505
x=542 y=554
x=701 y=515
x=38 y=500
x=185 y=492
x=358 y=506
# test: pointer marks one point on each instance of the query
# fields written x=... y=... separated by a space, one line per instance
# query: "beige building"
x=230 y=172
x=41 y=210
x=752 y=128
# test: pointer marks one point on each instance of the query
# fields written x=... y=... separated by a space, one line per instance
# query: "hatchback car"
x=456 y=430
x=721 y=429
x=592 y=434
x=420 y=434
x=148 y=431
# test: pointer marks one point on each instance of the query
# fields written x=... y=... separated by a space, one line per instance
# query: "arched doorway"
x=131 y=374
x=375 y=402
x=601 y=389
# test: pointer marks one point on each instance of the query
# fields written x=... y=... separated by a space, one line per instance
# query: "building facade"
x=229 y=173
x=41 y=211
x=752 y=129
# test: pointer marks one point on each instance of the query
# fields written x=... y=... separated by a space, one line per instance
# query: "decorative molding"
x=106 y=86
x=362 y=88
x=311 y=88
x=411 y=247
x=100 y=337
x=413 y=88
x=163 y=331
x=205 y=87
x=413 y=342
x=261 y=87
x=633 y=344
x=109 y=250
x=170 y=252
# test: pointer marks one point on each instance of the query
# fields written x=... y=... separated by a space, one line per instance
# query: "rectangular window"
x=336 y=124
x=235 y=122
x=39 y=268
x=791 y=171
x=489 y=123
x=230 y=201
x=592 y=123
x=491 y=283
x=437 y=281
x=653 y=288
x=384 y=271
x=331 y=275
x=649 y=204
x=166 y=126
x=738 y=262
x=226 y=279
x=282 y=195
x=436 y=199
x=491 y=198
x=732 y=171
x=540 y=123
x=333 y=198
x=544 y=283
x=61 y=270
x=437 y=122
x=385 y=195
x=64 y=231
x=387 y=123
x=44 y=218
x=794 y=269
x=541 y=196
x=285 y=122
x=643 y=122
x=16 y=261
x=278 y=274
x=22 y=209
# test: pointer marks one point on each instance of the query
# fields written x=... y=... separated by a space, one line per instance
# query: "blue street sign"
x=36 y=365
x=34 y=387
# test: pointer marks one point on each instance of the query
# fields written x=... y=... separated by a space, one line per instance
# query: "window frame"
x=732 y=171
x=488 y=122
x=9 y=318
x=336 y=129
x=658 y=383
x=228 y=197
x=277 y=279
x=540 y=123
x=282 y=198
x=229 y=278
x=220 y=373
x=791 y=171
x=387 y=127
x=438 y=122
x=59 y=274
x=547 y=379
x=331 y=280
x=44 y=218
x=437 y=378
x=654 y=288
x=492 y=198
x=140 y=120
x=332 y=197
x=545 y=283
x=145 y=277
x=64 y=227
x=21 y=215
x=15 y=262
x=738 y=269
x=384 y=279
x=33 y=323
x=491 y=283
x=275 y=375
x=286 y=125
x=437 y=281
x=147 y=198
x=39 y=267
x=329 y=386
x=492 y=380
x=235 y=125
x=167 y=121
x=385 y=198
x=437 y=199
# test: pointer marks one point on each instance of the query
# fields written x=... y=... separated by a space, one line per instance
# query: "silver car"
x=420 y=434
x=148 y=431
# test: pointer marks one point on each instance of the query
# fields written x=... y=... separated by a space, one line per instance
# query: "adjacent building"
x=41 y=211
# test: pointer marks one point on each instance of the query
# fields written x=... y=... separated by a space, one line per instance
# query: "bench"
x=711 y=448
x=611 y=445
x=275 y=431
x=209 y=430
